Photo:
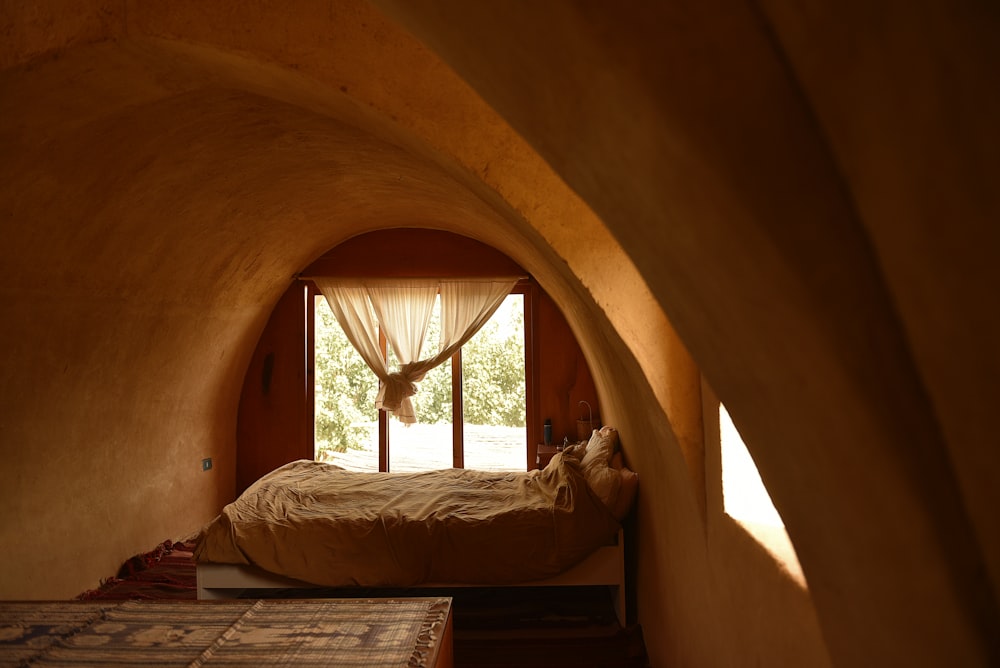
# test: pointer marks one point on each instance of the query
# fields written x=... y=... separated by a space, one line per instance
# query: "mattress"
x=324 y=525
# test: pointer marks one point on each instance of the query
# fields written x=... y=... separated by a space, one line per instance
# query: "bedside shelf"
x=545 y=454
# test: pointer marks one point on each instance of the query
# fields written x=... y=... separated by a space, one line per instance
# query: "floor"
x=530 y=627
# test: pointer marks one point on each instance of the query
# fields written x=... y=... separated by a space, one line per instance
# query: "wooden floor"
x=553 y=627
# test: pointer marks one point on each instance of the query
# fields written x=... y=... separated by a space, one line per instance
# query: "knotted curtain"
x=403 y=309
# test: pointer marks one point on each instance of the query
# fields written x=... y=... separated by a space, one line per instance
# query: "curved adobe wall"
x=159 y=190
x=773 y=173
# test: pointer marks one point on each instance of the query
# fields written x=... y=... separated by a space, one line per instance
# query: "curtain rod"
x=301 y=277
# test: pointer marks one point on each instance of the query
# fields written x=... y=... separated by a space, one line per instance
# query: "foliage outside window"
x=345 y=413
x=492 y=370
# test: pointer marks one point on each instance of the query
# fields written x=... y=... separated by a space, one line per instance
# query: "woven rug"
x=165 y=572
x=377 y=633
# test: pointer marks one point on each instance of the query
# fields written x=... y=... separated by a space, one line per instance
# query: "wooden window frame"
x=526 y=288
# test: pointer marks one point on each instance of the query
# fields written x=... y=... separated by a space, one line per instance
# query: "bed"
x=311 y=524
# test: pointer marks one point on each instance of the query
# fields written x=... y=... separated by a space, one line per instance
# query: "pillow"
x=602 y=479
x=628 y=488
x=605 y=483
x=600 y=448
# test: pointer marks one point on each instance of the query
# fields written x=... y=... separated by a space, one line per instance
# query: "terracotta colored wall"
x=564 y=378
x=274 y=425
x=752 y=192
x=783 y=147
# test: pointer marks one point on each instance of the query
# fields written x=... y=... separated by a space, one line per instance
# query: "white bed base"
x=604 y=566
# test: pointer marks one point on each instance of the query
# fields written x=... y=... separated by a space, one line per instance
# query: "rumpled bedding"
x=325 y=525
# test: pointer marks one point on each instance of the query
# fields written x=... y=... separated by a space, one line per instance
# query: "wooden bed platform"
x=605 y=566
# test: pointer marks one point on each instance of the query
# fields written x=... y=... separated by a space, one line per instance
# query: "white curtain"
x=403 y=308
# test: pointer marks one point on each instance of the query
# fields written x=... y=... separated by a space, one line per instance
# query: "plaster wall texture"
x=719 y=177
x=168 y=167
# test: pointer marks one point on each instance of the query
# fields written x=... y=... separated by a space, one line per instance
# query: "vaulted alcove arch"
x=275 y=423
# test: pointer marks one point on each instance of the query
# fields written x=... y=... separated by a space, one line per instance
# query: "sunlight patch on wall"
x=746 y=500
x=743 y=492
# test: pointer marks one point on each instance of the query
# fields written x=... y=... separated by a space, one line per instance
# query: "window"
x=471 y=409
x=744 y=496
x=494 y=391
x=345 y=421
x=746 y=500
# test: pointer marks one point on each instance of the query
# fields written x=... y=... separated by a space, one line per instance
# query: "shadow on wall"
x=773 y=579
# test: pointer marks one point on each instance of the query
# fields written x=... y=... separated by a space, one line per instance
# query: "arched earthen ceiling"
x=774 y=179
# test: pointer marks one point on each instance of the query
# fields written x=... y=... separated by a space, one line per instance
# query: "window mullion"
x=309 y=414
x=457 y=412
x=383 y=416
